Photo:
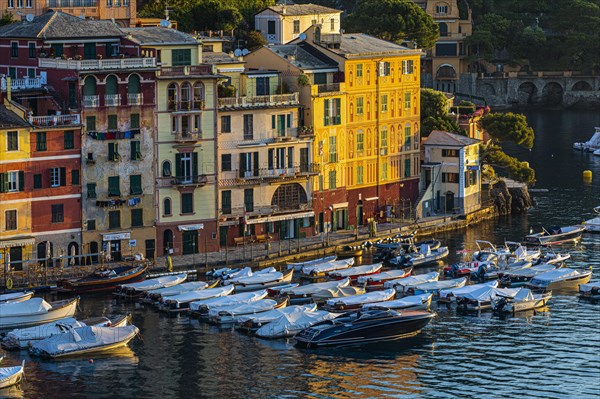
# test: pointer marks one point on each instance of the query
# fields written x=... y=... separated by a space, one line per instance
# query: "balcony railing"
x=135 y=99
x=22 y=83
x=187 y=137
x=255 y=101
x=193 y=105
x=174 y=71
x=71 y=3
x=197 y=180
x=112 y=100
x=306 y=131
x=329 y=87
x=91 y=101
x=56 y=120
x=111 y=63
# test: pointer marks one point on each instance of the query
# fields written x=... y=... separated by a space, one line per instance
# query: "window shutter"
x=326 y=113
x=256 y=163
x=3 y=177
x=194 y=164
x=273 y=122
x=178 y=173
x=111 y=151
x=290 y=157
x=270 y=160
x=338 y=114
x=242 y=164
x=289 y=120
x=63 y=176
x=21 y=180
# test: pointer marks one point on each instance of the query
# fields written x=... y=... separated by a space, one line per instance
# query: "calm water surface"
x=552 y=354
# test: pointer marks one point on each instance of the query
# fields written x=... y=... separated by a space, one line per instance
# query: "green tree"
x=6 y=19
x=508 y=127
x=445 y=123
x=434 y=113
x=515 y=169
x=394 y=20
x=215 y=15
x=255 y=40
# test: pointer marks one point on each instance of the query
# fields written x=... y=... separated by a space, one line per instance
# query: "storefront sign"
x=132 y=243
x=191 y=227
x=116 y=236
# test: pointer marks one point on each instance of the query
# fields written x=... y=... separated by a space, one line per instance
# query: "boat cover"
x=312 y=289
x=229 y=300
x=300 y=265
x=200 y=295
x=412 y=280
x=44 y=330
x=262 y=305
x=375 y=296
x=523 y=295
x=589 y=286
x=357 y=271
x=246 y=274
x=261 y=278
x=179 y=288
x=291 y=324
x=403 y=303
x=11 y=296
x=327 y=267
x=272 y=315
x=459 y=292
x=389 y=275
x=29 y=307
x=338 y=292
x=557 y=275
x=83 y=338
x=531 y=271
x=425 y=250
x=485 y=294
x=440 y=285
x=156 y=283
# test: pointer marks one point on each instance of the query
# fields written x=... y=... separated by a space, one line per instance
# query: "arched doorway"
x=289 y=197
x=449 y=205
x=72 y=254
x=168 y=241
x=45 y=252
x=93 y=255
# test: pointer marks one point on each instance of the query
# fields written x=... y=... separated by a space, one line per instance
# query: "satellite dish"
x=302 y=36
x=165 y=23
x=245 y=51
x=237 y=52
x=29 y=17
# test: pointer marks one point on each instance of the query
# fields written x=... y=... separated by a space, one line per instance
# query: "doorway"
x=115 y=250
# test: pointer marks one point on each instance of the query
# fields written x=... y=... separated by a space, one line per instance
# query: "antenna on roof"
x=302 y=36
x=29 y=17
x=237 y=52
x=245 y=51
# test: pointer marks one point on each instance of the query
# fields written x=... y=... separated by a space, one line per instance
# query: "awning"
x=191 y=227
x=277 y=218
x=19 y=242
x=126 y=235
x=339 y=205
x=371 y=198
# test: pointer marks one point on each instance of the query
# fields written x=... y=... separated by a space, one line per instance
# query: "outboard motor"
x=480 y=275
x=499 y=305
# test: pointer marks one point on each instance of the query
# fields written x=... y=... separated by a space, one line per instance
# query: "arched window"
x=167 y=240
x=167 y=207
x=133 y=84
x=443 y=29
x=45 y=252
x=172 y=98
x=166 y=169
x=72 y=254
x=112 y=85
x=89 y=86
x=198 y=95
x=289 y=196
x=94 y=252
x=186 y=90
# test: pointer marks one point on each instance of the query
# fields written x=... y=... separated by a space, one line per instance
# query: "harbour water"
x=549 y=354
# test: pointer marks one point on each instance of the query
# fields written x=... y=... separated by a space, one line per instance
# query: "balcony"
x=91 y=101
x=96 y=65
x=22 y=83
x=188 y=137
x=306 y=131
x=259 y=101
x=182 y=71
x=243 y=177
x=186 y=105
x=135 y=99
x=189 y=181
x=328 y=88
x=112 y=100
x=55 y=120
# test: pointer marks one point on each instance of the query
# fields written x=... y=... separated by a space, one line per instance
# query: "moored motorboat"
x=349 y=251
x=357 y=301
x=290 y=324
x=16 y=296
x=35 y=311
x=364 y=326
x=354 y=273
x=555 y=235
x=425 y=256
x=483 y=298
x=84 y=340
x=320 y=270
x=231 y=314
x=260 y=281
x=590 y=290
x=299 y=265
x=451 y=294
x=10 y=376
x=519 y=277
x=202 y=308
x=435 y=287
x=376 y=281
x=339 y=292
x=135 y=290
x=401 y=285
x=104 y=280
x=181 y=302
x=593 y=225
x=412 y=302
x=521 y=301
x=306 y=292
x=277 y=290
x=592 y=145
x=252 y=322
x=560 y=279
x=158 y=294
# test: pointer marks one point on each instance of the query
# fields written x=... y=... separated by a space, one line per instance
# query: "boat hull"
x=554 y=239
x=101 y=284
x=12 y=380
x=571 y=283
x=67 y=310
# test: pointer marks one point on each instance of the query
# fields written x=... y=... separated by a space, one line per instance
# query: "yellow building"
x=451 y=175
x=185 y=142
x=16 y=240
x=280 y=24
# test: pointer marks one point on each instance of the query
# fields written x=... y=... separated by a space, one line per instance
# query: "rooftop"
x=361 y=44
x=9 y=119
x=303 y=56
x=219 y=58
x=159 y=36
x=58 y=25
x=441 y=138
x=302 y=9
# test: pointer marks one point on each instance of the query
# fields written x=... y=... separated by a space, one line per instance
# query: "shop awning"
x=277 y=218
x=339 y=205
x=17 y=242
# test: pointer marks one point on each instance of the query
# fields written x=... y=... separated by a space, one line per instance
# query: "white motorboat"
x=246 y=272
x=305 y=293
x=354 y=273
x=181 y=302
x=289 y=325
x=357 y=301
x=425 y=256
x=376 y=281
x=555 y=235
x=134 y=290
x=519 y=277
x=35 y=311
x=452 y=294
x=84 y=340
x=299 y=265
x=522 y=300
x=260 y=281
x=10 y=376
x=202 y=308
x=483 y=298
x=16 y=296
x=231 y=314
x=24 y=337
x=593 y=225
x=411 y=302
x=435 y=287
x=340 y=292
x=320 y=270
x=402 y=284
x=590 y=290
x=564 y=278
x=252 y=322
x=592 y=145
x=158 y=294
